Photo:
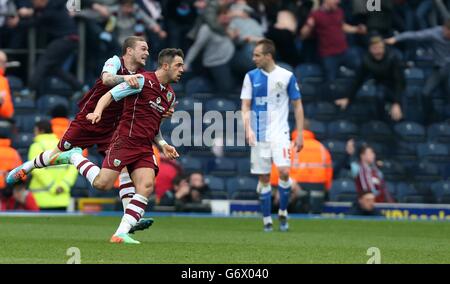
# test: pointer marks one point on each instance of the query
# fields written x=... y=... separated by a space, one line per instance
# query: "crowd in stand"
x=339 y=50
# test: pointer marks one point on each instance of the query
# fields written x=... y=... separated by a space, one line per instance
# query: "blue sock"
x=284 y=189
x=266 y=204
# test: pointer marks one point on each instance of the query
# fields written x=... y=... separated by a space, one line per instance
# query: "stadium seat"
x=376 y=131
x=310 y=89
x=304 y=71
x=325 y=111
x=198 y=85
x=433 y=152
x=47 y=102
x=343 y=190
x=26 y=122
x=439 y=132
x=80 y=188
x=233 y=149
x=23 y=140
x=224 y=167
x=392 y=188
x=319 y=129
x=24 y=105
x=243 y=166
x=393 y=170
x=360 y=112
x=55 y=85
x=408 y=193
x=441 y=192
x=6 y=128
x=342 y=129
x=186 y=104
x=336 y=148
x=220 y=105
x=15 y=83
x=215 y=183
x=405 y=151
x=366 y=91
x=425 y=171
x=414 y=76
x=410 y=131
x=242 y=188
x=190 y=164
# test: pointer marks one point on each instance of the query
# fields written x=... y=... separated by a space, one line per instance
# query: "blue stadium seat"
x=414 y=75
x=186 y=104
x=410 y=131
x=310 y=90
x=343 y=190
x=80 y=188
x=425 y=171
x=304 y=71
x=360 y=112
x=325 y=111
x=26 y=122
x=405 y=151
x=215 y=183
x=23 y=140
x=233 y=149
x=376 y=131
x=47 y=102
x=393 y=170
x=441 y=191
x=318 y=128
x=433 y=152
x=336 y=148
x=367 y=90
x=439 y=132
x=243 y=166
x=224 y=167
x=408 y=193
x=198 y=85
x=55 y=85
x=220 y=105
x=242 y=188
x=6 y=128
x=342 y=129
x=392 y=189
x=190 y=164
x=23 y=152
x=15 y=83
x=24 y=105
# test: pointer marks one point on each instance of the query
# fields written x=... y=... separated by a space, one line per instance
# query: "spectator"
x=168 y=171
x=365 y=206
x=328 y=25
x=218 y=50
x=178 y=195
x=208 y=11
x=246 y=32
x=130 y=19
x=17 y=197
x=439 y=40
x=382 y=65
x=283 y=34
x=51 y=186
x=343 y=167
x=8 y=21
x=199 y=190
x=60 y=27
x=10 y=157
x=181 y=15
x=311 y=165
x=6 y=105
x=370 y=178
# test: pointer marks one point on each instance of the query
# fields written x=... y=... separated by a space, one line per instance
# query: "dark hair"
x=130 y=42
x=178 y=179
x=268 y=46
x=364 y=147
x=59 y=111
x=376 y=39
x=168 y=54
x=125 y=2
x=44 y=126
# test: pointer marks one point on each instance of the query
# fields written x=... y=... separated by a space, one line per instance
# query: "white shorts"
x=262 y=155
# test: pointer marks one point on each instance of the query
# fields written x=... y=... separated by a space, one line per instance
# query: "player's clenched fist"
x=93 y=117
x=132 y=80
x=170 y=152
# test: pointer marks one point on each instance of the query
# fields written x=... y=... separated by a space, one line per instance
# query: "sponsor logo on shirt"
x=156 y=105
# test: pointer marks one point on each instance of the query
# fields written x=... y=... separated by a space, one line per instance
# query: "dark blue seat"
x=366 y=91
x=414 y=75
x=425 y=171
x=441 y=192
x=220 y=105
x=222 y=167
x=80 y=188
x=408 y=193
x=190 y=164
x=243 y=188
x=47 y=102
x=318 y=128
x=24 y=105
x=23 y=140
x=198 y=85
x=433 y=152
x=376 y=131
x=304 y=71
x=439 y=132
x=215 y=183
x=186 y=104
x=342 y=129
x=310 y=89
x=55 y=85
x=343 y=190
x=6 y=128
x=410 y=131
x=15 y=83
x=359 y=112
x=393 y=170
x=325 y=111
x=243 y=166
x=336 y=148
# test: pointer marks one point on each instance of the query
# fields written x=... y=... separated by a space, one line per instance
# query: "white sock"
x=126 y=189
x=267 y=220
x=41 y=161
x=85 y=167
x=133 y=213
x=283 y=213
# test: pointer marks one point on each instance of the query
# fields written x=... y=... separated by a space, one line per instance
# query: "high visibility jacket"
x=312 y=165
x=10 y=159
x=7 y=107
x=59 y=126
x=45 y=182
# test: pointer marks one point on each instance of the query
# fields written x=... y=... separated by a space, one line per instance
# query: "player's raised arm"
x=110 y=77
x=117 y=93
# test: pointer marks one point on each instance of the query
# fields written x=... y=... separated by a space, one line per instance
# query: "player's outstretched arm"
x=103 y=103
x=109 y=74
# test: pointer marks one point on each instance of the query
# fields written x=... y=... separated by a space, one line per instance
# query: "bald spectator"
x=6 y=105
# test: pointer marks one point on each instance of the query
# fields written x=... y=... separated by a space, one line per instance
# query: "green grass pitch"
x=223 y=240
